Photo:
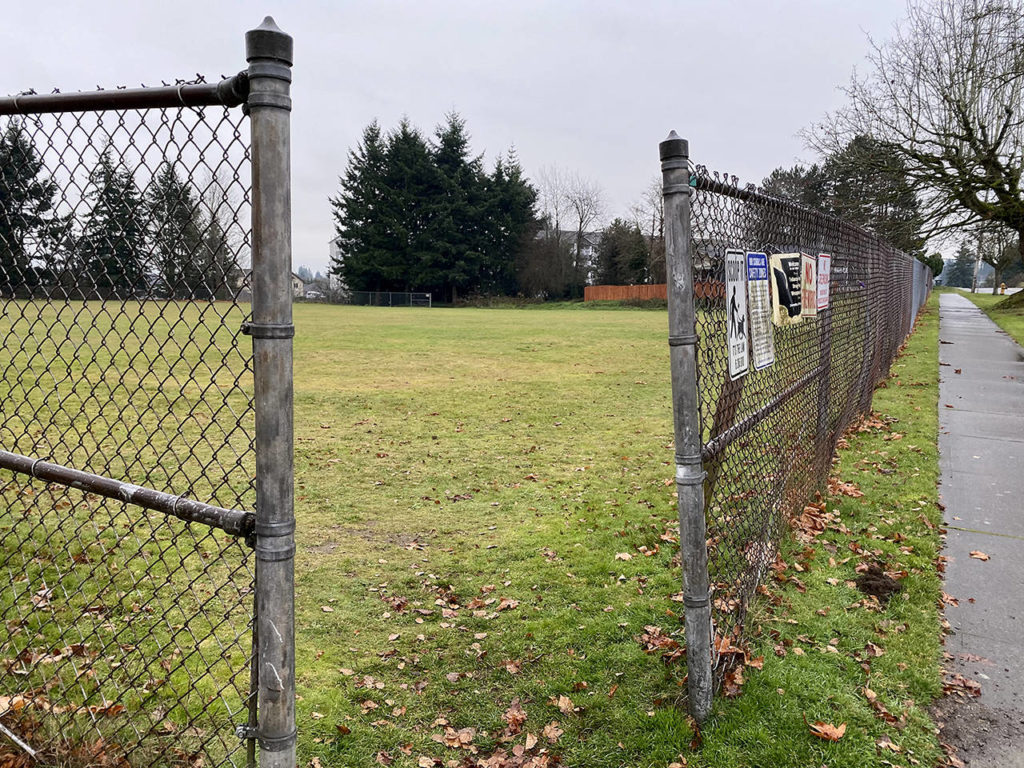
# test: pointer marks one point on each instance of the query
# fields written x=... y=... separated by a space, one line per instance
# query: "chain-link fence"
x=128 y=427
x=370 y=298
x=767 y=373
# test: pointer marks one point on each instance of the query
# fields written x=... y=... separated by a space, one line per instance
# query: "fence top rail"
x=229 y=92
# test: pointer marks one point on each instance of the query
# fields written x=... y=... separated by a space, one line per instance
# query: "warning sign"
x=808 y=285
x=762 y=340
x=736 y=313
x=786 y=303
x=824 y=276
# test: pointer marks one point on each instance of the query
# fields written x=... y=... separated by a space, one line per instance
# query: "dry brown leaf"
x=977 y=554
x=552 y=732
x=826 y=731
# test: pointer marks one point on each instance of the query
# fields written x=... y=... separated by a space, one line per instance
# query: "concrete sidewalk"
x=981 y=443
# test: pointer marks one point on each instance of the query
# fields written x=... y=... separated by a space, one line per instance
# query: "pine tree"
x=112 y=245
x=413 y=215
x=26 y=208
x=961 y=272
x=867 y=185
x=414 y=202
x=457 y=233
x=364 y=244
x=176 y=235
x=510 y=215
x=622 y=255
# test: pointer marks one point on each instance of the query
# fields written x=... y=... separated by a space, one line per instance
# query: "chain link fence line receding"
x=753 y=447
x=128 y=427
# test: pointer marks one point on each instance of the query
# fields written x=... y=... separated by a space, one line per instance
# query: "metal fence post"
x=686 y=410
x=269 y=53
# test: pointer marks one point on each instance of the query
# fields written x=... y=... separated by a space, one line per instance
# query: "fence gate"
x=146 y=527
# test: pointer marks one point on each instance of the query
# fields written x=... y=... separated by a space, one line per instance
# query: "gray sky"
x=589 y=86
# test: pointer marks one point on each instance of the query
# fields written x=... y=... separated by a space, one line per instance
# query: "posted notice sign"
x=762 y=341
x=808 y=285
x=738 y=341
x=824 y=276
x=786 y=301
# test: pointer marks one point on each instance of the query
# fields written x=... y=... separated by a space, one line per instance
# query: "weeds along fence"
x=766 y=375
x=146 y=522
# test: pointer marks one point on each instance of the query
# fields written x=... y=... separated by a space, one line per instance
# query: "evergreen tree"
x=867 y=185
x=961 y=272
x=864 y=184
x=26 y=208
x=413 y=215
x=113 y=240
x=176 y=234
x=456 y=230
x=622 y=255
x=802 y=184
x=509 y=216
x=367 y=250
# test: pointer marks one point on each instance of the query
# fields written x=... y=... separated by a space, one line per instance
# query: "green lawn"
x=1009 y=318
x=486 y=525
x=466 y=481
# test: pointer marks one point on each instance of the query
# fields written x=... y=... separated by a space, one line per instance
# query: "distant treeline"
x=111 y=239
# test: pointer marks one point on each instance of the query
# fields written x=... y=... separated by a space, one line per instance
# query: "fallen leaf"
x=977 y=554
x=826 y=731
x=552 y=732
x=623 y=556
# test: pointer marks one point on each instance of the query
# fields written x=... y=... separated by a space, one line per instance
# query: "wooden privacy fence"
x=703 y=289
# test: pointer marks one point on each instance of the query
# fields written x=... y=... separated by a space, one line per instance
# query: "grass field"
x=485 y=521
x=467 y=480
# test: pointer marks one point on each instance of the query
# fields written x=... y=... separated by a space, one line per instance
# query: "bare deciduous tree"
x=649 y=216
x=585 y=201
x=566 y=198
x=946 y=95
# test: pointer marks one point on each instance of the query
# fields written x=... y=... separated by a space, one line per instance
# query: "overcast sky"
x=589 y=86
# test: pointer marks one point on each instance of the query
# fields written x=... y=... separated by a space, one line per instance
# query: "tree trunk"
x=996 y=279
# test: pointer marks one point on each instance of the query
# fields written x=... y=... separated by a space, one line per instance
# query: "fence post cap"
x=674 y=146
x=267 y=41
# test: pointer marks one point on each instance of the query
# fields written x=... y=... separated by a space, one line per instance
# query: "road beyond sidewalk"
x=981 y=445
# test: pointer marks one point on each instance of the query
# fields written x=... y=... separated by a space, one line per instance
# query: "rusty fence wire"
x=763 y=440
x=125 y=628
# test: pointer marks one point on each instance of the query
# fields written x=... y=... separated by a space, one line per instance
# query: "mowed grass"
x=473 y=490
x=1009 y=318
x=495 y=461
x=466 y=480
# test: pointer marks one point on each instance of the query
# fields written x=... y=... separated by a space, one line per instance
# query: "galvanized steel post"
x=682 y=325
x=269 y=53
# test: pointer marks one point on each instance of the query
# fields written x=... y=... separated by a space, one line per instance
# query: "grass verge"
x=830 y=653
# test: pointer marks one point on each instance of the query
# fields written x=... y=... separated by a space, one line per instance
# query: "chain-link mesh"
x=125 y=634
x=769 y=436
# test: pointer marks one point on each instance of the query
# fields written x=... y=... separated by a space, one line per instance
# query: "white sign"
x=737 y=339
x=762 y=339
x=808 y=286
x=824 y=274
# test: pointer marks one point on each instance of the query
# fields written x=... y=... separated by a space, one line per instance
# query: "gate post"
x=682 y=341
x=269 y=53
